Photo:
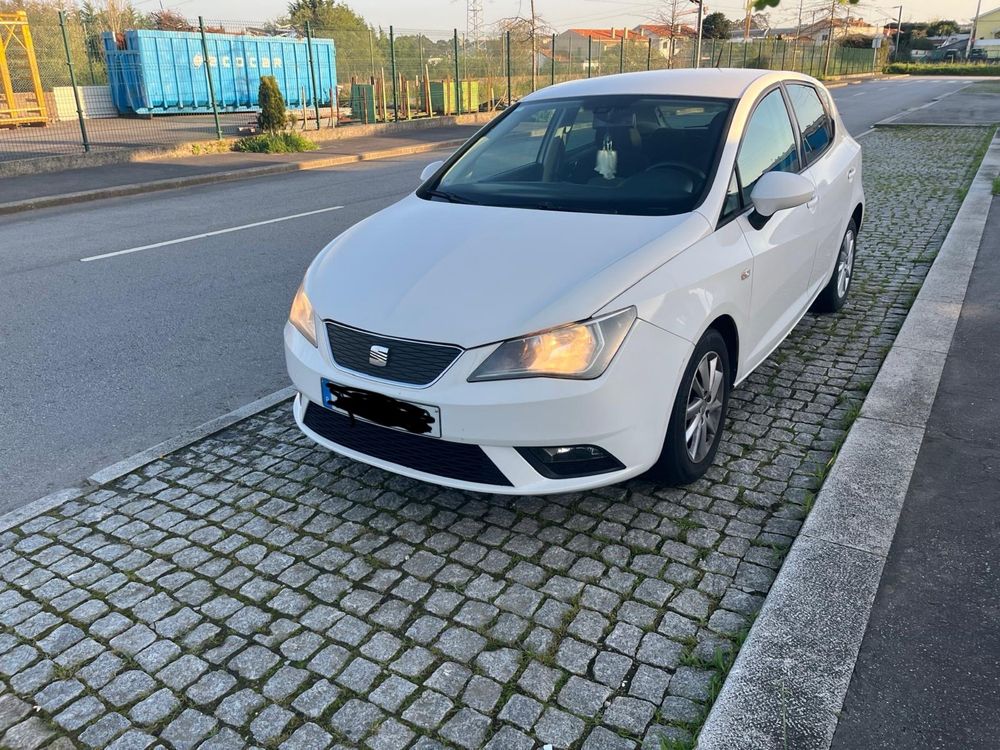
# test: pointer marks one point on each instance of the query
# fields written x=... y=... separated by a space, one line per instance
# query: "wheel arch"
x=726 y=326
x=858 y=215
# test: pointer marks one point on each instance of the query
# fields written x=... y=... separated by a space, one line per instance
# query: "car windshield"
x=646 y=155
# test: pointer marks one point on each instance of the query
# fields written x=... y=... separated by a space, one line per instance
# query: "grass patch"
x=996 y=186
x=274 y=143
x=943 y=69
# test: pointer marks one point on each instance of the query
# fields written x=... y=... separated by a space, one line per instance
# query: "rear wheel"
x=698 y=416
x=834 y=294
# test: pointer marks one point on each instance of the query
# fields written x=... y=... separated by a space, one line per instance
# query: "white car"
x=568 y=301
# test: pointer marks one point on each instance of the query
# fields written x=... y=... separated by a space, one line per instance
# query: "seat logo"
x=378 y=356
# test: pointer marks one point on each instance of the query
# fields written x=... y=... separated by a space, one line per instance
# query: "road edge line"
x=136 y=461
x=793 y=671
x=232 y=175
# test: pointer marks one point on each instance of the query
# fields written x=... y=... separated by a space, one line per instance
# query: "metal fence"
x=381 y=75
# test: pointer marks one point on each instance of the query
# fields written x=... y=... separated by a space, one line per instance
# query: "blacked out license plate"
x=385 y=411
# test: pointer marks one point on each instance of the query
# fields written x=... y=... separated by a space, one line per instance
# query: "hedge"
x=944 y=69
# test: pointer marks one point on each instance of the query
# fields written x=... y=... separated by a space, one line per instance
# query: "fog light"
x=568 y=461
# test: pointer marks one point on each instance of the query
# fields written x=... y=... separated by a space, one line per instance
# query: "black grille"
x=410 y=362
x=461 y=461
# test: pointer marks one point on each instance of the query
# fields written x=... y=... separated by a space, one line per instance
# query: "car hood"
x=472 y=275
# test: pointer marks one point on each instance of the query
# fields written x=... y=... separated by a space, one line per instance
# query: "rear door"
x=783 y=246
x=829 y=165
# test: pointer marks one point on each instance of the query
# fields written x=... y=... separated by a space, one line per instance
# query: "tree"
x=716 y=26
x=169 y=20
x=765 y=4
x=942 y=28
x=351 y=34
x=272 y=118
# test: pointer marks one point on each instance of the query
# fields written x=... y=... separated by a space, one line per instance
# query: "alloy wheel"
x=845 y=263
x=703 y=416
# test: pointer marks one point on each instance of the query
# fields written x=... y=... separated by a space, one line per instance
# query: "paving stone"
x=101 y=733
x=237 y=708
x=223 y=739
x=601 y=738
x=509 y=738
x=659 y=651
x=12 y=711
x=133 y=739
x=188 y=729
x=449 y=678
x=391 y=735
x=355 y=719
x=179 y=674
x=558 y=728
x=30 y=734
x=314 y=701
x=284 y=683
x=392 y=693
x=522 y=711
x=467 y=729
x=427 y=710
x=55 y=695
x=610 y=669
x=309 y=736
x=270 y=723
x=211 y=687
x=127 y=688
x=691 y=683
x=583 y=697
x=359 y=675
x=78 y=714
x=631 y=715
x=154 y=709
x=253 y=662
x=649 y=683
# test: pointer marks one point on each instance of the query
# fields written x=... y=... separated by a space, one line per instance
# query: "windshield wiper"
x=450 y=197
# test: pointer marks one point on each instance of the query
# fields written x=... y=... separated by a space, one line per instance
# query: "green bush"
x=274 y=143
x=944 y=69
x=272 y=116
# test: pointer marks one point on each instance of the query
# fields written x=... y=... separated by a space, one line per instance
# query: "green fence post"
x=208 y=75
x=621 y=54
x=510 y=101
x=590 y=55
x=649 y=53
x=552 y=73
x=72 y=82
x=392 y=64
x=312 y=72
x=458 y=80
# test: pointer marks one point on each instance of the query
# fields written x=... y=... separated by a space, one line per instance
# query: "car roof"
x=725 y=83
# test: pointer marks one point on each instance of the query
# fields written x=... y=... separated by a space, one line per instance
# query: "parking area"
x=252 y=589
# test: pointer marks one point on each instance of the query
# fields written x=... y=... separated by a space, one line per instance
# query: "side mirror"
x=430 y=169
x=775 y=191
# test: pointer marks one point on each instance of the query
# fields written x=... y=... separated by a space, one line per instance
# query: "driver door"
x=784 y=245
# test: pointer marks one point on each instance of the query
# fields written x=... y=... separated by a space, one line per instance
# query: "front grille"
x=409 y=362
x=462 y=461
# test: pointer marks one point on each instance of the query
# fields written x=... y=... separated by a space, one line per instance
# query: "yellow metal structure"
x=16 y=46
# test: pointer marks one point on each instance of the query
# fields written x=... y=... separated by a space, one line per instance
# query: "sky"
x=561 y=14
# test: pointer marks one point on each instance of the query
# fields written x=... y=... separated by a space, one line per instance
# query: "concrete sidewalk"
x=928 y=673
x=90 y=183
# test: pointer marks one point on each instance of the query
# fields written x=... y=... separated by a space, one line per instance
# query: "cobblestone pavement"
x=254 y=590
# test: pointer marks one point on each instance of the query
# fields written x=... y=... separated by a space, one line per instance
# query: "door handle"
x=811 y=205
x=850 y=174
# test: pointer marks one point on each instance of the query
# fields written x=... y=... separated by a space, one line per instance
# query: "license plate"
x=385 y=411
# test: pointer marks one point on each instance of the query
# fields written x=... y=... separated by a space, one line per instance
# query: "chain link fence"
x=94 y=89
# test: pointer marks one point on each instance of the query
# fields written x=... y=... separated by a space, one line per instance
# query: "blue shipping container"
x=162 y=72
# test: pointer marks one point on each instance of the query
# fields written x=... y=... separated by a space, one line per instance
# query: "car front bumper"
x=624 y=412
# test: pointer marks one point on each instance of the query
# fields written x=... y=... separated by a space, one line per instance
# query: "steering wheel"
x=694 y=172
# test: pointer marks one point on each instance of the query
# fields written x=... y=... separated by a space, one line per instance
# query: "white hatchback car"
x=569 y=299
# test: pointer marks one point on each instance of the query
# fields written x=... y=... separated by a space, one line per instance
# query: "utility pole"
x=829 y=37
x=798 y=27
x=474 y=22
x=701 y=13
x=899 y=28
x=746 y=22
x=972 y=31
x=534 y=50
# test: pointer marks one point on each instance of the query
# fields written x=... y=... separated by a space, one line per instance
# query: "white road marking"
x=203 y=235
x=862 y=135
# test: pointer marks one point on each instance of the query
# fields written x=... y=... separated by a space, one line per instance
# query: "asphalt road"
x=104 y=358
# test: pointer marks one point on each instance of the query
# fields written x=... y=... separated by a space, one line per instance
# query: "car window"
x=768 y=143
x=814 y=123
x=625 y=154
x=581 y=132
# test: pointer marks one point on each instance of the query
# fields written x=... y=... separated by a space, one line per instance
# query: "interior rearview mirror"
x=775 y=191
x=430 y=169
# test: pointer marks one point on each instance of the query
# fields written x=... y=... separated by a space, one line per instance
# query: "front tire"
x=834 y=294
x=698 y=416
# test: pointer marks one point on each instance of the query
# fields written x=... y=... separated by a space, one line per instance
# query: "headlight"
x=301 y=315
x=579 y=350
